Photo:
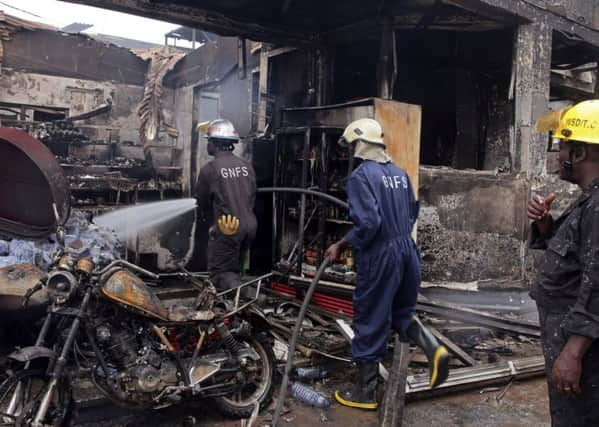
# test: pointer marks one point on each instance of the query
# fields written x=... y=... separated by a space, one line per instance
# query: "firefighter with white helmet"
x=226 y=192
x=384 y=210
x=567 y=286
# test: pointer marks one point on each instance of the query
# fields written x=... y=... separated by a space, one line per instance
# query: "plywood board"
x=401 y=126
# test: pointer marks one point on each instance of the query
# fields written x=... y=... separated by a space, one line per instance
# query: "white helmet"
x=222 y=129
x=367 y=130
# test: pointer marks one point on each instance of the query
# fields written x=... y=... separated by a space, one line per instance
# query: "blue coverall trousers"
x=388 y=281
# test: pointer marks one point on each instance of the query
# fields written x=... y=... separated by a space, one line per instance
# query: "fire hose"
x=320 y=194
x=294 y=338
x=307 y=296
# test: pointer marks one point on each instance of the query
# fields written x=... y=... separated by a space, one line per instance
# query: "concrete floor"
x=524 y=404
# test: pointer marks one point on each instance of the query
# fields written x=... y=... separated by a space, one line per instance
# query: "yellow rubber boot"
x=437 y=354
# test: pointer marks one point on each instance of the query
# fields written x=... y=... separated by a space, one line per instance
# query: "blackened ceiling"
x=300 y=21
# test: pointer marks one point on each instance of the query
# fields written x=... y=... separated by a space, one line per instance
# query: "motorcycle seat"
x=182 y=314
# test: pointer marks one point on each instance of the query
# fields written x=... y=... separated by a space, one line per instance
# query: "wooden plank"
x=454 y=348
x=395 y=393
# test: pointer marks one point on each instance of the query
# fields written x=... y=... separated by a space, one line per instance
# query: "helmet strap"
x=222 y=144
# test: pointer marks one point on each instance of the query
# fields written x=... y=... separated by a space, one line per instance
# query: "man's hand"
x=538 y=210
x=566 y=373
x=333 y=251
x=567 y=368
x=539 y=207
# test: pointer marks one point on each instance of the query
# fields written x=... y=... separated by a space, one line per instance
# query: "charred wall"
x=76 y=74
x=209 y=63
x=471 y=225
x=78 y=96
x=211 y=74
x=75 y=56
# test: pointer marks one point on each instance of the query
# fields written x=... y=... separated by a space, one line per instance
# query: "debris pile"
x=488 y=347
x=82 y=238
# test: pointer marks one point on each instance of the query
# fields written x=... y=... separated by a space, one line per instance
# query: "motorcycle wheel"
x=33 y=384
x=258 y=385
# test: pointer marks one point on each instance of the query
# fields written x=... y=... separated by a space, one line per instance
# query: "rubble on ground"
x=82 y=238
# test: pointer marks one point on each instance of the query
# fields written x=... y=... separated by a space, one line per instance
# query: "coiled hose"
x=294 y=338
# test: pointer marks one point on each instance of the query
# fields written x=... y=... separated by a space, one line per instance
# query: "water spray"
x=131 y=221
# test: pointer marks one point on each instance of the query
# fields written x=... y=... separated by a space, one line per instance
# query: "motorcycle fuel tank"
x=128 y=289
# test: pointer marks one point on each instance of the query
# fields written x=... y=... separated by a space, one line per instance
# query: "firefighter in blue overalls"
x=384 y=210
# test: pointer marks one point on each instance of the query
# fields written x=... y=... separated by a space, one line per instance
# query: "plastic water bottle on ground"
x=309 y=396
x=312 y=373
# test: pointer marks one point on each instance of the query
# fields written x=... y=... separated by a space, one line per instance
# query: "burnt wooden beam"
x=395 y=392
x=208 y=20
x=523 y=11
x=454 y=348
x=385 y=61
x=494 y=12
x=456 y=22
x=370 y=28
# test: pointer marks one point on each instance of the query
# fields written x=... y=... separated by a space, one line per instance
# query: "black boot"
x=363 y=393
x=437 y=355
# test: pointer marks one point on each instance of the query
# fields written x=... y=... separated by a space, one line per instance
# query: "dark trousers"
x=388 y=280
x=225 y=256
x=582 y=410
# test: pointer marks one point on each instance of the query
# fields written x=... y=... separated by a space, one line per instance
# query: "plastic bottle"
x=309 y=396
x=313 y=373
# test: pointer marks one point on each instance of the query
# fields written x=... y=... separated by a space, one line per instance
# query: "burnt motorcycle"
x=108 y=324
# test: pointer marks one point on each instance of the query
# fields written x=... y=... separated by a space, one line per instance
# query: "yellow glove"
x=228 y=224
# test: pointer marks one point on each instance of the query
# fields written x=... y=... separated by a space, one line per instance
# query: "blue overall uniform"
x=383 y=209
